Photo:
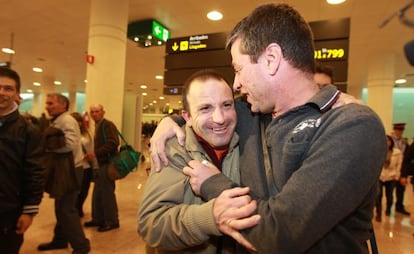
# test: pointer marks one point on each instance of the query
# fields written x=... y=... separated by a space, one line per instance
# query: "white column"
x=107 y=44
x=380 y=87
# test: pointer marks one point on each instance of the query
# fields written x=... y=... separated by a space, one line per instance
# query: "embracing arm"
x=167 y=128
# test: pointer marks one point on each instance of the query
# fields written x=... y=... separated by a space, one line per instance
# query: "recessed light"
x=214 y=15
x=159 y=77
x=335 y=1
x=144 y=94
x=400 y=81
x=29 y=90
x=8 y=51
x=161 y=98
x=58 y=83
x=36 y=83
x=37 y=69
x=143 y=86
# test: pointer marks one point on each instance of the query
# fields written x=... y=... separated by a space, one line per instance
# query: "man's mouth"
x=219 y=130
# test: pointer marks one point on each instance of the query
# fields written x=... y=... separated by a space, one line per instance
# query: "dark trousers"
x=84 y=189
x=68 y=226
x=389 y=192
x=104 y=206
x=399 y=190
x=10 y=242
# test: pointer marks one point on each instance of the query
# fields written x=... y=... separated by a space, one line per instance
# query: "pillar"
x=107 y=43
x=380 y=87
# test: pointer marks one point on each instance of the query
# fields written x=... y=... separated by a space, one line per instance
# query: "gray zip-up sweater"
x=325 y=165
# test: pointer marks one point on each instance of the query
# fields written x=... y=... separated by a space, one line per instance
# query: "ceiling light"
x=154 y=101
x=37 y=69
x=143 y=86
x=214 y=15
x=335 y=1
x=8 y=51
x=29 y=90
x=36 y=83
x=58 y=83
x=159 y=77
x=161 y=98
x=144 y=94
x=401 y=81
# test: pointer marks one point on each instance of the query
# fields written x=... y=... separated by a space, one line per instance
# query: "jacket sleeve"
x=70 y=128
x=167 y=220
x=34 y=172
x=111 y=143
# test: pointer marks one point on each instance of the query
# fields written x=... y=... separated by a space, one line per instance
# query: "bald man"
x=106 y=141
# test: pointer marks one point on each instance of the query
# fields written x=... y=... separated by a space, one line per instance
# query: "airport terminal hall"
x=207 y=127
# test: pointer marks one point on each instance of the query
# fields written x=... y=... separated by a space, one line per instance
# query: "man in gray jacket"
x=171 y=216
x=68 y=228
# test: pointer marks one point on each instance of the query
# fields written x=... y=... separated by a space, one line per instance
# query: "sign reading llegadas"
x=194 y=43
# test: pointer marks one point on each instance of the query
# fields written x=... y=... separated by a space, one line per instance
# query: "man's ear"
x=186 y=115
x=273 y=56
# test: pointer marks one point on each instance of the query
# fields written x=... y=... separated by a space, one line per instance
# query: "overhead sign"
x=147 y=33
x=196 y=43
x=160 y=31
x=173 y=90
x=331 y=50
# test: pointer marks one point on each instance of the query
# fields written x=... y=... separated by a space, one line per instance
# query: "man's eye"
x=205 y=109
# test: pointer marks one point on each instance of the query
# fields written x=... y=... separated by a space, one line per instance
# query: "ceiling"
x=53 y=35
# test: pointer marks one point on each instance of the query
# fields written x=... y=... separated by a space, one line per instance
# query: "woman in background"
x=88 y=166
x=390 y=174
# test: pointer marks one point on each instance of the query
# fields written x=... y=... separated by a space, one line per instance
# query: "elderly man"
x=106 y=142
x=171 y=216
x=65 y=176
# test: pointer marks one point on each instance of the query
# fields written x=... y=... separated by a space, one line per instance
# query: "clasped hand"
x=232 y=209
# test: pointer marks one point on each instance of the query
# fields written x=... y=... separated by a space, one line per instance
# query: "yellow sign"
x=326 y=53
x=183 y=45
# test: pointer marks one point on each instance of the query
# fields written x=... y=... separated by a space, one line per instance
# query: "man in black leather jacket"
x=21 y=170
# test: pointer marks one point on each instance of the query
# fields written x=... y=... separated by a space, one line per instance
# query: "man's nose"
x=218 y=116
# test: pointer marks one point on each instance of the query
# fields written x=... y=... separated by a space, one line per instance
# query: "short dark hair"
x=9 y=73
x=201 y=75
x=61 y=99
x=324 y=69
x=276 y=23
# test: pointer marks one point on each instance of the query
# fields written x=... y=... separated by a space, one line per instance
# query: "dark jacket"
x=106 y=141
x=21 y=171
x=407 y=167
x=325 y=166
x=60 y=167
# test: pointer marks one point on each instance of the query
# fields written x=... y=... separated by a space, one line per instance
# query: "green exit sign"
x=160 y=31
x=148 y=33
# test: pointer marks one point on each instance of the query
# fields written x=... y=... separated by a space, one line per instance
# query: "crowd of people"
x=292 y=166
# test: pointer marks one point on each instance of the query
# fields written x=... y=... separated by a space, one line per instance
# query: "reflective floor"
x=394 y=234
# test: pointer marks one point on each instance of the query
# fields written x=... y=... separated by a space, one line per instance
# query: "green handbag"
x=124 y=162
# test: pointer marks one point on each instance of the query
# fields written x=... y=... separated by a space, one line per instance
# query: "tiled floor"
x=394 y=234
